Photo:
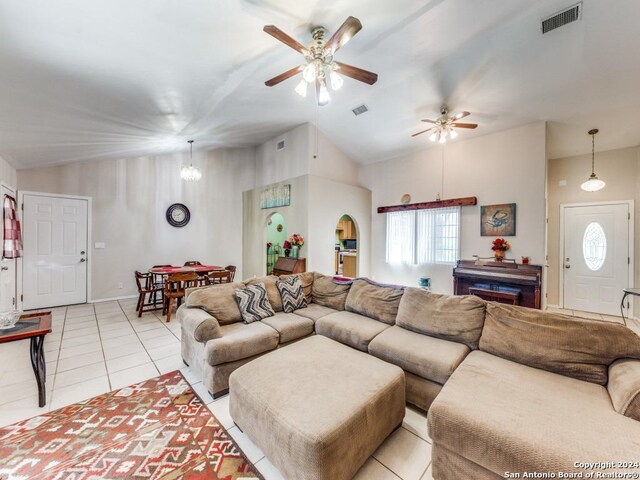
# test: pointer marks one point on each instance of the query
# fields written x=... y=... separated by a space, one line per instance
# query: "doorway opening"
x=346 y=247
x=276 y=234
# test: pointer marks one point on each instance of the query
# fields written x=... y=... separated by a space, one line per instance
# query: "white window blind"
x=424 y=237
x=401 y=232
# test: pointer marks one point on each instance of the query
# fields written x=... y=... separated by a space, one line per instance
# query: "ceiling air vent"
x=280 y=145
x=560 y=19
x=360 y=110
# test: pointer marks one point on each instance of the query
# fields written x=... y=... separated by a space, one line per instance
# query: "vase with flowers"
x=297 y=241
x=287 y=248
x=499 y=246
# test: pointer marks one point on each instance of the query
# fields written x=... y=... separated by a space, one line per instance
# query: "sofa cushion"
x=508 y=417
x=431 y=358
x=291 y=294
x=273 y=294
x=455 y=318
x=253 y=303
x=327 y=293
x=350 y=328
x=306 y=279
x=240 y=340
x=571 y=346
x=375 y=301
x=290 y=326
x=217 y=300
x=624 y=387
x=314 y=311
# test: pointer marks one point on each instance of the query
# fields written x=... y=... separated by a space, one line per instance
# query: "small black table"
x=628 y=291
x=34 y=326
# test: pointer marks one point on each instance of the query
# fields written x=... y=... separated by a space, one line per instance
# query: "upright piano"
x=502 y=282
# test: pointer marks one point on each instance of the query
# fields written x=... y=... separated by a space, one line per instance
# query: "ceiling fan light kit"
x=190 y=173
x=319 y=63
x=593 y=183
x=444 y=127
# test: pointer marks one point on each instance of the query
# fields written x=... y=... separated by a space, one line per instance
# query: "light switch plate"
x=100 y=245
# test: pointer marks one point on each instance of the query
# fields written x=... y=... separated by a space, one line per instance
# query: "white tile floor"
x=100 y=347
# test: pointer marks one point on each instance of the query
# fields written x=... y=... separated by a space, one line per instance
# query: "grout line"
x=139 y=339
x=104 y=358
x=391 y=471
x=55 y=373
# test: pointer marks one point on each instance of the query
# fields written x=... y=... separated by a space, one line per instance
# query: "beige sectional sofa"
x=508 y=389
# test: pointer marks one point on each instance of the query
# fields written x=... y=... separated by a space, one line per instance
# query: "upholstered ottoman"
x=317 y=409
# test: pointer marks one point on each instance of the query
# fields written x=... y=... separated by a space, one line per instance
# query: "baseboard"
x=552 y=306
x=100 y=300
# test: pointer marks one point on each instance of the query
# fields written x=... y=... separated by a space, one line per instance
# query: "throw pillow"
x=292 y=294
x=253 y=303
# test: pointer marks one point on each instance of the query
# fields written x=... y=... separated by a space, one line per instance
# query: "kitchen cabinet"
x=349 y=265
x=346 y=229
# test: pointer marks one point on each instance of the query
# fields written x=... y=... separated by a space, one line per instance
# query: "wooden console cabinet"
x=289 y=265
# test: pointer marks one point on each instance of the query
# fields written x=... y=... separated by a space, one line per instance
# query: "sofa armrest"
x=199 y=324
x=624 y=387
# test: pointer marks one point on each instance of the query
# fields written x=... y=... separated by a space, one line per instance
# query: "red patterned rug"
x=157 y=429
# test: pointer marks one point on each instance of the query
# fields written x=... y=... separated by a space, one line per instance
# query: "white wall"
x=620 y=169
x=7 y=173
x=505 y=167
x=329 y=161
x=273 y=166
x=130 y=198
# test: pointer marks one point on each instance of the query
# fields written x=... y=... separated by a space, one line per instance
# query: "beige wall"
x=130 y=198
x=620 y=169
x=504 y=167
x=7 y=173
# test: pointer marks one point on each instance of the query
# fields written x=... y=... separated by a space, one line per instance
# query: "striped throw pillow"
x=292 y=294
x=253 y=303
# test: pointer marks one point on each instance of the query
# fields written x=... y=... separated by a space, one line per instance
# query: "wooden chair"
x=231 y=269
x=217 y=277
x=174 y=288
x=147 y=289
x=191 y=263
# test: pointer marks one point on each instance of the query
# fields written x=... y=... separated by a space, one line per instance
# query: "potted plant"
x=499 y=246
x=287 y=247
x=296 y=241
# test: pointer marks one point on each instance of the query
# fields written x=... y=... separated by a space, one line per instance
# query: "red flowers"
x=296 y=239
x=500 y=244
x=286 y=245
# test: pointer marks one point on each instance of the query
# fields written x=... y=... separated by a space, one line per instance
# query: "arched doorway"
x=276 y=234
x=346 y=255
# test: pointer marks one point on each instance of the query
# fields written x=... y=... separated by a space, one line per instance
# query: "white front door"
x=7 y=271
x=55 y=251
x=596 y=259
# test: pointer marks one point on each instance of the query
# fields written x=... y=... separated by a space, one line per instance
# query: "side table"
x=34 y=326
x=628 y=291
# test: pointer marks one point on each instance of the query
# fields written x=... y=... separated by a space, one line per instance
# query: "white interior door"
x=7 y=272
x=54 y=268
x=596 y=259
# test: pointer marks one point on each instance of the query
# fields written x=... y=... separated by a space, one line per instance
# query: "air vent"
x=280 y=145
x=360 y=110
x=560 y=19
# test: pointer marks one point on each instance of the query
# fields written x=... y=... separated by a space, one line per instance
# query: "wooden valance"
x=451 y=202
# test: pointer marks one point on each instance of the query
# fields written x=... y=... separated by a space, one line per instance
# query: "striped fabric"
x=292 y=294
x=253 y=303
x=12 y=242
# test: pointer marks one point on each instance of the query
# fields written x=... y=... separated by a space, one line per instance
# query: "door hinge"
x=628 y=260
x=22 y=207
x=22 y=298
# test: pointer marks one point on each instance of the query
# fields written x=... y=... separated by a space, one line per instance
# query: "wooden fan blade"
x=283 y=76
x=460 y=115
x=357 y=73
x=465 y=125
x=347 y=30
x=428 y=121
x=424 y=131
x=278 y=34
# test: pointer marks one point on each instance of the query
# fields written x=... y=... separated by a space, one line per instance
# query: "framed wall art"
x=498 y=220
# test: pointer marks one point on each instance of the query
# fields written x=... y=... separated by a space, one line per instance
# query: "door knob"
x=83 y=260
x=5 y=268
x=567 y=266
x=82 y=252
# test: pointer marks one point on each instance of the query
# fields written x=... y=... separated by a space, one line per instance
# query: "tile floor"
x=99 y=347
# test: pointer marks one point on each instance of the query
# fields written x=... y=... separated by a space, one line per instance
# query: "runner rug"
x=157 y=429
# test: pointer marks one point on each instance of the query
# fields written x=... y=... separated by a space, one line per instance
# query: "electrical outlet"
x=120 y=286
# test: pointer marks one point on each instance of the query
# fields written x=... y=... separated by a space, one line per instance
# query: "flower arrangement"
x=269 y=245
x=296 y=239
x=500 y=244
x=286 y=245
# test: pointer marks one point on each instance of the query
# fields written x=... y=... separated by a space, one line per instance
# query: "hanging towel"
x=12 y=245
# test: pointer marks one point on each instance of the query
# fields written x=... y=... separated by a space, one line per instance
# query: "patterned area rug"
x=157 y=429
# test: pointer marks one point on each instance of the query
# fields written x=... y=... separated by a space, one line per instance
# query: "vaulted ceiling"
x=82 y=80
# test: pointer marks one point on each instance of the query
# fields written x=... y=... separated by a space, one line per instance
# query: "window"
x=424 y=237
x=594 y=246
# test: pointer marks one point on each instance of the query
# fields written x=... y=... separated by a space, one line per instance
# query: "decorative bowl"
x=9 y=319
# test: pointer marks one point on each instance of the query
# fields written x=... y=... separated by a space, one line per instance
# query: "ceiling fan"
x=445 y=126
x=319 y=62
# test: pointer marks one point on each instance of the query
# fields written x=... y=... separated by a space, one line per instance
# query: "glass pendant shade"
x=190 y=173
x=336 y=81
x=309 y=73
x=301 y=88
x=323 y=94
x=593 y=184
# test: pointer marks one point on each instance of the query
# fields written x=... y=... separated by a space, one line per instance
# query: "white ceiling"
x=86 y=80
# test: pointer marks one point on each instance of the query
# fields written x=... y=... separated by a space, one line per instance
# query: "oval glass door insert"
x=594 y=246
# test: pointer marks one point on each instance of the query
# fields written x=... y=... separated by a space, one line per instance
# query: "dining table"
x=199 y=269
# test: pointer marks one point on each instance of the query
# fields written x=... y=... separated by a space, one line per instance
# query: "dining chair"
x=174 y=288
x=192 y=263
x=217 y=277
x=231 y=269
x=147 y=289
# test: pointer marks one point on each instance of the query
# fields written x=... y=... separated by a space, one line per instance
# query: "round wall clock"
x=178 y=215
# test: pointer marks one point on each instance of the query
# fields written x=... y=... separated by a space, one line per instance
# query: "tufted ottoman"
x=317 y=409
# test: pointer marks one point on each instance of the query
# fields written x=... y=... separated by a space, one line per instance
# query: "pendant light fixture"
x=190 y=173
x=593 y=184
